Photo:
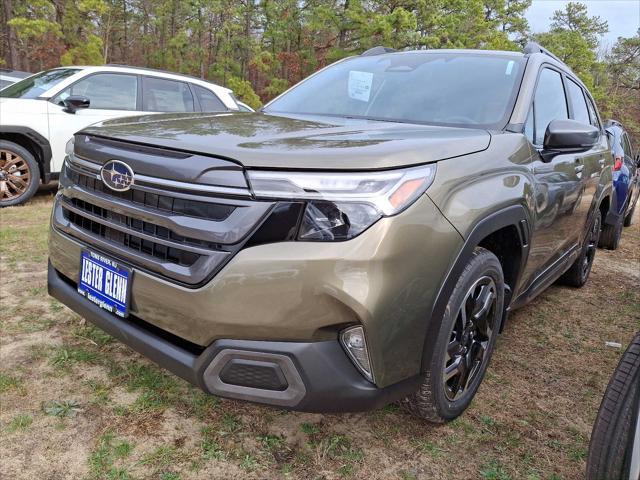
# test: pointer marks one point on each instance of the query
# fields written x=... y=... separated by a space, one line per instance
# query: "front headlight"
x=342 y=205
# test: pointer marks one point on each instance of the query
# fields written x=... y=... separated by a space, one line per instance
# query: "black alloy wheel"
x=470 y=337
x=592 y=245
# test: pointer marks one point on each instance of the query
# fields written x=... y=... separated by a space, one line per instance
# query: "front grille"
x=166 y=203
x=138 y=225
x=177 y=232
x=127 y=240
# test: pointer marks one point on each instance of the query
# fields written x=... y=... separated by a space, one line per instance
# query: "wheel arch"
x=34 y=142
x=505 y=233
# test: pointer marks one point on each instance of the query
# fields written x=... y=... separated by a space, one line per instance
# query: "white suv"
x=39 y=114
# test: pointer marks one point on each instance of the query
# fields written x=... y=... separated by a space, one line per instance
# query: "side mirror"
x=75 y=102
x=568 y=136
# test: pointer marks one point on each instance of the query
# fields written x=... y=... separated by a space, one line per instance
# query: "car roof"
x=533 y=51
x=149 y=72
x=7 y=72
x=442 y=51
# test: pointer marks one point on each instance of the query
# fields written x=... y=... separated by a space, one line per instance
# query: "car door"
x=110 y=94
x=631 y=163
x=557 y=182
x=592 y=162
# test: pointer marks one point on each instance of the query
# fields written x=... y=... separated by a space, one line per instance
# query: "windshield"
x=36 y=85
x=416 y=87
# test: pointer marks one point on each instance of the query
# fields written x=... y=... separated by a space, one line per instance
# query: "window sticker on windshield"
x=360 y=85
x=509 y=67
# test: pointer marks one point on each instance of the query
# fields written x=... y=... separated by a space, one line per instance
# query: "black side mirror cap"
x=75 y=102
x=568 y=136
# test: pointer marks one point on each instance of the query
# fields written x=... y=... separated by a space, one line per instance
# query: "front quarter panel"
x=468 y=189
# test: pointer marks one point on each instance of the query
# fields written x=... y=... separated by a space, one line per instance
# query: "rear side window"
x=549 y=103
x=627 y=146
x=161 y=95
x=578 y=102
x=106 y=91
x=593 y=114
x=209 y=102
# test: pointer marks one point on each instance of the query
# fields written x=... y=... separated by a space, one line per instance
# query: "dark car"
x=9 y=77
x=358 y=241
x=614 y=450
x=626 y=185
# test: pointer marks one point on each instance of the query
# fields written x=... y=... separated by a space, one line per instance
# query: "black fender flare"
x=44 y=159
x=514 y=215
x=609 y=191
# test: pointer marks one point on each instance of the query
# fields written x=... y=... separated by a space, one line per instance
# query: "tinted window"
x=36 y=85
x=627 y=146
x=578 y=103
x=592 y=113
x=160 y=95
x=549 y=103
x=617 y=143
x=437 y=88
x=106 y=91
x=209 y=102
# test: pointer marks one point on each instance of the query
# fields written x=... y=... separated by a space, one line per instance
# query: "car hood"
x=260 y=140
x=21 y=106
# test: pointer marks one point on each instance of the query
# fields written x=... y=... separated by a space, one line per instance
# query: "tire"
x=610 y=236
x=612 y=442
x=628 y=220
x=578 y=273
x=480 y=284
x=16 y=164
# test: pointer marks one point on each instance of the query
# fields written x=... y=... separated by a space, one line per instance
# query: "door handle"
x=579 y=168
x=601 y=162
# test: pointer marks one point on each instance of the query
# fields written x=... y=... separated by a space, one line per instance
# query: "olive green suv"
x=360 y=240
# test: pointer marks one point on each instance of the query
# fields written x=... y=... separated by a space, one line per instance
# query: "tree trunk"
x=12 y=38
x=125 y=47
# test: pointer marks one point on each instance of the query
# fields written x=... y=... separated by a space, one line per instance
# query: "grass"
x=109 y=449
x=310 y=428
x=493 y=470
x=20 y=423
x=9 y=382
x=63 y=357
x=160 y=457
x=118 y=416
x=62 y=408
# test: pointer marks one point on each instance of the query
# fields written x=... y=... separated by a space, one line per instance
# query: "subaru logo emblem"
x=117 y=175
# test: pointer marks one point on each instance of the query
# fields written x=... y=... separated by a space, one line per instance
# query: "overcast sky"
x=623 y=16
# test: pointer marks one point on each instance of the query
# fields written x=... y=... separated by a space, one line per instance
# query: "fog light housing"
x=355 y=344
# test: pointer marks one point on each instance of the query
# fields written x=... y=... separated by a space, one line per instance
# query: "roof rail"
x=379 y=50
x=158 y=70
x=533 y=47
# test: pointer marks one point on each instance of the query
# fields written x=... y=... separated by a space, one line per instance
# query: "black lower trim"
x=331 y=381
x=515 y=215
x=43 y=157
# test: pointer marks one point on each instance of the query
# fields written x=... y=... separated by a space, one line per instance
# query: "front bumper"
x=386 y=279
x=317 y=376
